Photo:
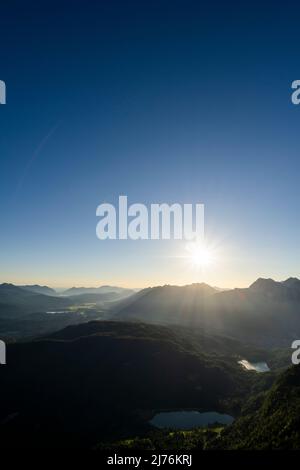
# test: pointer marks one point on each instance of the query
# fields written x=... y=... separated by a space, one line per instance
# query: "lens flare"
x=200 y=254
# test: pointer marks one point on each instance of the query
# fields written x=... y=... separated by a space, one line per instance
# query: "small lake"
x=257 y=366
x=189 y=419
x=58 y=312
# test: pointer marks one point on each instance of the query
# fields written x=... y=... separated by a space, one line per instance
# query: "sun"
x=199 y=254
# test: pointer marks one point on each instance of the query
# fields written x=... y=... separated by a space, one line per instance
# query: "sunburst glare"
x=200 y=254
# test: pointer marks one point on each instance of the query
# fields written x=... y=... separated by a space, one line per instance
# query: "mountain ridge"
x=265 y=312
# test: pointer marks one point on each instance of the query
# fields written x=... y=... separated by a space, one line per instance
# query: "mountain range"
x=266 y=313
x=104 y=380
x=40 y=289
x=162 y=348
x=121 y=291
x=28 y=311
x=18 y=301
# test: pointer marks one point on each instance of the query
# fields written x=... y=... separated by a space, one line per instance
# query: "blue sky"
x=164 y=102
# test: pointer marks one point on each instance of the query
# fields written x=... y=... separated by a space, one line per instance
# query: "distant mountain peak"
x=8 y=285
x=291 y=282
x=200 y=284
x=38 y=289
x=264 y=283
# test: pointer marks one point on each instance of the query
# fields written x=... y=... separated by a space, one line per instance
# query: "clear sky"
x=164 y=101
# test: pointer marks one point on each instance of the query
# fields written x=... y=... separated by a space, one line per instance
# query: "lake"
x=58 y=312
x=189 y=419
x=257 y=366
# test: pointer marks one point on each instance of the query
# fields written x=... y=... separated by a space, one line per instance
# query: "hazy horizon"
x=126 y=286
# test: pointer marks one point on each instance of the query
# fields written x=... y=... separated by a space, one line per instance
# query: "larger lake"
x=189 y=419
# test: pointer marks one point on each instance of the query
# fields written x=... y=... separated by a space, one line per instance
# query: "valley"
x=97 y=370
